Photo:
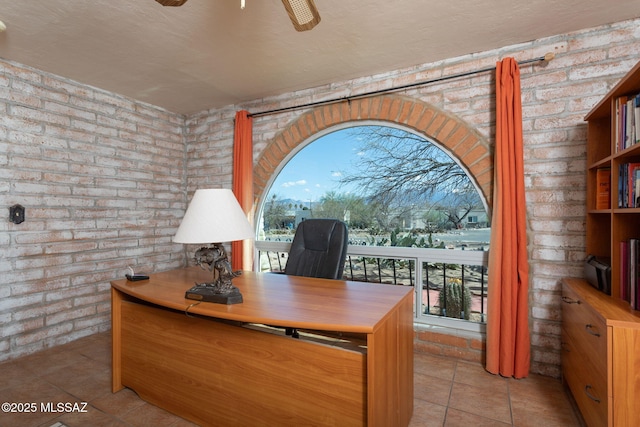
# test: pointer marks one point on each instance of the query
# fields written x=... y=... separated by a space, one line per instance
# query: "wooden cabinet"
x=607 y=226
x=601 y=333
x=601 y=355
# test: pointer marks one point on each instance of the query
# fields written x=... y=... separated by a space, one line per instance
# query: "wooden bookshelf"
x=607 y=227
x=601 y=333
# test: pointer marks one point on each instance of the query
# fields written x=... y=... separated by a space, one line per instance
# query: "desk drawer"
x=588 y=386
x=586 y=329
x=205 y=370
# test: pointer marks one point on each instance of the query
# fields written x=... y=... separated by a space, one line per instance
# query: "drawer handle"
x=592 y=330
x=570 y=301
x=587 y=391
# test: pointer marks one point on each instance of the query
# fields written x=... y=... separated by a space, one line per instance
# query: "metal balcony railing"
x=452 y=289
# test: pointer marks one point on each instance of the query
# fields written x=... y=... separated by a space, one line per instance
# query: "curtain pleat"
x=242 y=251
x=508 y=341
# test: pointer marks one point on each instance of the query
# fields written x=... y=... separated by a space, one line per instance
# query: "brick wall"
x=556 y=97
x=102 y=181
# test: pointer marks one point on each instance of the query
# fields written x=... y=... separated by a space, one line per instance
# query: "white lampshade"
x=213 y=216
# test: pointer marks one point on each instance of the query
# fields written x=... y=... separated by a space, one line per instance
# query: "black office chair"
x=319 y=249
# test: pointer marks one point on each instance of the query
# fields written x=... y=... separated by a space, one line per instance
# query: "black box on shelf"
x=597 y=272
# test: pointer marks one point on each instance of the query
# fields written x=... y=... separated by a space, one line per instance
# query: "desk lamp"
x=214 y=215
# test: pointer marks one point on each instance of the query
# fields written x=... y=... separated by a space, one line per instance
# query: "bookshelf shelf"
x=606 y=162
x=627 y=211
x=633 y=151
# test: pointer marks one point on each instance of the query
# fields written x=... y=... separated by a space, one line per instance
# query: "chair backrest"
x=319 y=249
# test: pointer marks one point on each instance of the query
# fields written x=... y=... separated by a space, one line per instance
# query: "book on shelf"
x=629 y=185
x=630 y=272
x=624 y=268
x=636 y=111
x=634 y=185
x=627 y=125
x=603 y=188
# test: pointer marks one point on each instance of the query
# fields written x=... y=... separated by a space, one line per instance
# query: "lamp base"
x=203 y=292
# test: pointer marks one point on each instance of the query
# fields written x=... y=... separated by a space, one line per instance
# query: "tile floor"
x=447 y=393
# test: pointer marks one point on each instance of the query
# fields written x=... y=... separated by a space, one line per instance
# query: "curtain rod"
x=546 y=58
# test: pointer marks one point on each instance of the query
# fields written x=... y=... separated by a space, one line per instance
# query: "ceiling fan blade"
x=172 y=2
x=303 y=13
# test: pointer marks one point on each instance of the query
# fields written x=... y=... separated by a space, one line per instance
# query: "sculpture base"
x=210 y=294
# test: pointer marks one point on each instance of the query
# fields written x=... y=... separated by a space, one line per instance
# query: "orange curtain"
x=508 y=345
x=242 y=251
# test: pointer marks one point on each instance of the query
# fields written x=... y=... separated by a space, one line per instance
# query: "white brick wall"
x=103 y=177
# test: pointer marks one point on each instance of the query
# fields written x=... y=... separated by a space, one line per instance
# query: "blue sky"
x=317 y=168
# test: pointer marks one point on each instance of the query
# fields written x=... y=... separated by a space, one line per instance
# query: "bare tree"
x=457 y=205
x=397 y=169
x=394 y=162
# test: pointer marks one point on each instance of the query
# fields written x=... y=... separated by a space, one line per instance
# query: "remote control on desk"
x=136 y=277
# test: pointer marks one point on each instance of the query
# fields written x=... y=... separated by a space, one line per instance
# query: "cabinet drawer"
x=586 y=329
x=588 y=386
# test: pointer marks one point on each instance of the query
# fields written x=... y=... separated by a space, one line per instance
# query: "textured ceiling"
x=210 y=53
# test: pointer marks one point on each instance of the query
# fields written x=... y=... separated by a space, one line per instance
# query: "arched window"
x=411 y=207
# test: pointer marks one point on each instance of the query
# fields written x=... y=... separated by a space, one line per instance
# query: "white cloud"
x=294 y=183
x=336 y=174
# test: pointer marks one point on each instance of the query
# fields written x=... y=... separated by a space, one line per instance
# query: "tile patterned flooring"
x=447 y=393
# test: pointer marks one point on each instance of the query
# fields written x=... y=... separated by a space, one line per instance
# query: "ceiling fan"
x=303 y=13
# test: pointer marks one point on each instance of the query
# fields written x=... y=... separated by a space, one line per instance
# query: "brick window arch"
x=470 y=149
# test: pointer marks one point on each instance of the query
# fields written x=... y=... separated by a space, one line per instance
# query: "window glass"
x=392 y=188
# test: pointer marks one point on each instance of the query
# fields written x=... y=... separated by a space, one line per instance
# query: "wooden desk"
x=210 y=368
